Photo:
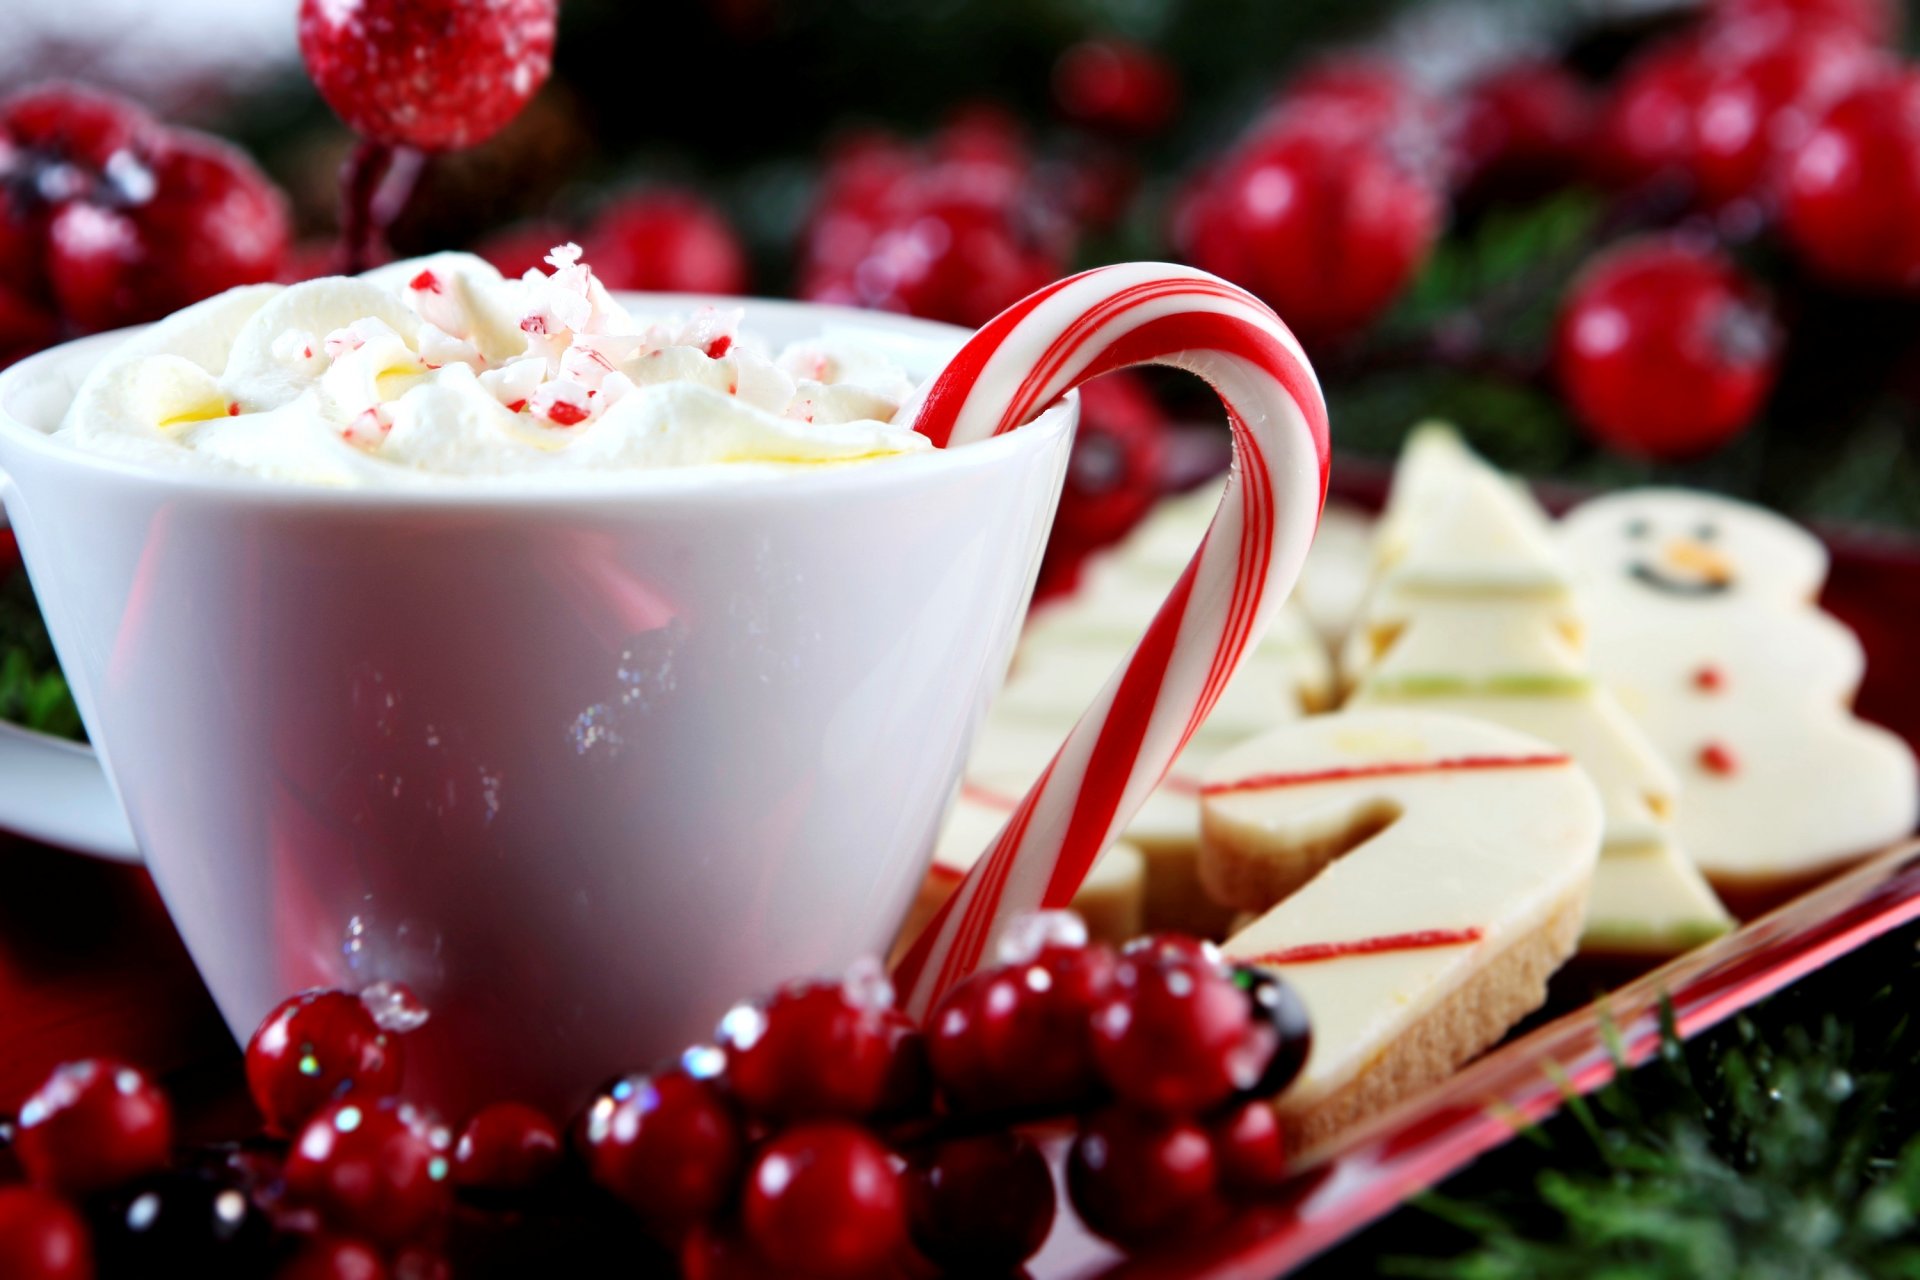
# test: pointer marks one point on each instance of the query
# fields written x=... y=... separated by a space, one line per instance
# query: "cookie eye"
x=1707 y=532
x=1638 y=528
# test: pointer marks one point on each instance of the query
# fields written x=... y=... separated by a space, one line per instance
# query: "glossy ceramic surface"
x=577 y=767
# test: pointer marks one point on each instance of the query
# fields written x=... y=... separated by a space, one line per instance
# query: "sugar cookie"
x=1430 y=873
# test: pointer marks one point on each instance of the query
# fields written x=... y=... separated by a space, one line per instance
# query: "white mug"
x=577 y=767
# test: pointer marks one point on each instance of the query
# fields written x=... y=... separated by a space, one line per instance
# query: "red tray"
x=89 y=965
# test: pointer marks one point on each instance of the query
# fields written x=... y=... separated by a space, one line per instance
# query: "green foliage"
x=32 y=690
x=1782 y=1152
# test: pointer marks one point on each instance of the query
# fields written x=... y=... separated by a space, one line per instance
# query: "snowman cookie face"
x=1677 y=546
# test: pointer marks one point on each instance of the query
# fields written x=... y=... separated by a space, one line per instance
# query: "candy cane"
x=1021 y=362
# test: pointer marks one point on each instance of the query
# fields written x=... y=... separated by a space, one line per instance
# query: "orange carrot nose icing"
x=1692 y=556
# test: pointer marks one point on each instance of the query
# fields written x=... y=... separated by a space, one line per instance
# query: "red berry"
x=377 y=1169
x=1019 y=1037
x=42 y=1237
x=666 y=241
x=715 y=1253
x=1524 y=127
x=334 y=1258
x=72 y=123
x=433 y=74
x=1116 y=87
x=1248 y=1149
x=1876 y=20
x=1769 y=86
x=1135 y=1177
x=1665 y=351
x=92 y=1125
x=1118 y=463
x=825 y=1197
x=313 y=1049
x=507 y=1146
x=1851 y=199
x=666 y=1145
x=1176 y=1034
x=1359 y=95
x=212 y=221
x=1646 y=129
x=814 y=1049
x=1326 y=225
x=980 y=1204
x=1279 y=1008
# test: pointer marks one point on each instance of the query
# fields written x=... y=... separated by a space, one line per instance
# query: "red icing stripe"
x=1459 y=764
x=1423 y=940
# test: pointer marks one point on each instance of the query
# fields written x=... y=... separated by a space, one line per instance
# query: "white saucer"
x=55 y=792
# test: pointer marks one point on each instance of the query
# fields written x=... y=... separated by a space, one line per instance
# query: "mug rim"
x=704 y=482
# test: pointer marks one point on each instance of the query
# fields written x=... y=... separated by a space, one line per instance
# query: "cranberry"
x=1523 y=127
x=816 y=1048
x=980 y=1204
x=1769 y=85
x=1851 y=198
x=196 y=1222
x=667 y=241
x=73 y=123
x=377 y=1169
x=1176 y=1035
x=433 y=74
x=1135 y=1177
x=1278 y=1006
x=42 y=1237
x=334 y=1258
x=1875 y=20
x=667 y=1145
x=1116 y=87
x=1248 y=1149
x=1018 y=1037
x=313 y=1049
x=1326 y=225
x=212 y=222
x=712 y=1253
x=507 y=1146
x=825 y=1197
x=1665 y=351
x=93 y=1125
x=1646 y=129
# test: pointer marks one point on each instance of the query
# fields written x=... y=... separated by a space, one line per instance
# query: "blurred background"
x=1614 y=240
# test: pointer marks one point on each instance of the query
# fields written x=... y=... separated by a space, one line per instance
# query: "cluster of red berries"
x=821 y=1134
x=663 y=240
x=108 y=218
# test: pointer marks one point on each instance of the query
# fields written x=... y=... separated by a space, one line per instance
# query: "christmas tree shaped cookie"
x=1704 y=623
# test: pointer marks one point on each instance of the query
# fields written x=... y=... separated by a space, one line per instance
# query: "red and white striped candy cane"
x=1021 y=362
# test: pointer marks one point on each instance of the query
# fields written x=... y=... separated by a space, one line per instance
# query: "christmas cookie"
x=1419 y=878
x=1704 y=625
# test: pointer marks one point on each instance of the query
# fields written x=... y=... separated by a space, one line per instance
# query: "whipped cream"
x=439 y=367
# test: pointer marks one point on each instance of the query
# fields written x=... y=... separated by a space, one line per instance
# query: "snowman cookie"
x=1703 y=623
x=1417 y=877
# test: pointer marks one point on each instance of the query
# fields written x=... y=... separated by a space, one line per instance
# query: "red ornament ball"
x=1116 y=87
x=666 y=1145
x=315 y=1048
x=432 y=74
x=666 y=241
x=825 y=1198
x=93 y=1125
x=1646 y=130
x=42 y=1237
x=1851 y=197
x=981 y=1204
x=1135 y=1177
x=1327 y=225
x=377 y=1169
x=1665 y=351
x=1523 y=128
x=507 y=1146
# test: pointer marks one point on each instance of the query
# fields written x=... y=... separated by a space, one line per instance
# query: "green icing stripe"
x=1537 y=685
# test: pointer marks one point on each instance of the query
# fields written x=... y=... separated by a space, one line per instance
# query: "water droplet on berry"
x=394 y=1007
x=866 y=985
x=1028 y=935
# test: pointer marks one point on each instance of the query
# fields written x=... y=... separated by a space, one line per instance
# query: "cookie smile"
x=1648 y=575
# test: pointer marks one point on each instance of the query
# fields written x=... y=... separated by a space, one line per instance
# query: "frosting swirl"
x=439 y=367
